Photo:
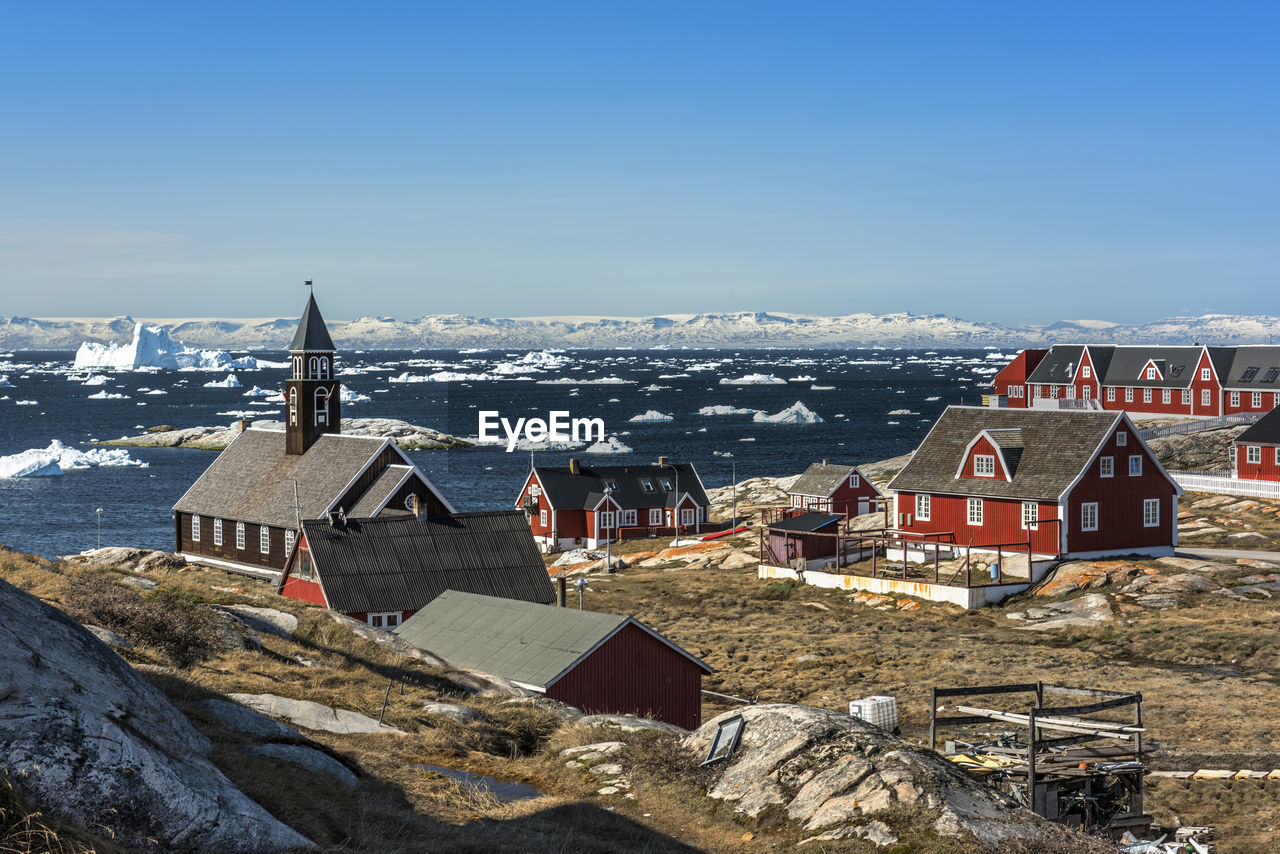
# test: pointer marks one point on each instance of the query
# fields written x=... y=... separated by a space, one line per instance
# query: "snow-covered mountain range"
x=731 y=329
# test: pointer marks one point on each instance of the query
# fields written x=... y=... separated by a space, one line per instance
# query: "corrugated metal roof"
x=252 y=479
x=312 y=333
x=523 y=642
x=1057 y=445
x=584 y=490
x=401 y=563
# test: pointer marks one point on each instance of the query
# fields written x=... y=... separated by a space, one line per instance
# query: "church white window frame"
x=293 y=406
x=217 y=532
x=288 y=541
x=195 y=527
x=239 y=536
x=322 y=407
x=264 y=540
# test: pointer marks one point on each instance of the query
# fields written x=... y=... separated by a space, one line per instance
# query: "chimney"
x=562 y=592
x=574 y=468
x=413 y=501
x=662 y=461
x=825 y=461
x=243 y=424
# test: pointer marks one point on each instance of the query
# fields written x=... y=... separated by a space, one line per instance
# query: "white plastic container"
x=877 y=711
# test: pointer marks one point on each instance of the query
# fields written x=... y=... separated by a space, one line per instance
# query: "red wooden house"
x=381 y=571
x=1257 y=450
x=601 y=663
x=1011 y=381
x=1070 y=484
x=829 y=488
x=585 y=506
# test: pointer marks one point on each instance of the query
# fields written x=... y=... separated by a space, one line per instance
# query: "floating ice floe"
x=655 y=387
x=152 y=348
x=721 y=409
x=932 y=399
x=442 y=377
x=796 y=413
x=532 y=363
x=612 y=445
x=96 y=379
x=4 y=381
x=821 y=388
x=672 y=376
x=107 y=395
x=651 y=415
x=803 y=379
x=350 y=395
x=229 y=381
x=258 y=391
x=754 y=379
x=26 y=403
x=580 y=381
x=902 y=412
x=58 y=459
x=985 y=371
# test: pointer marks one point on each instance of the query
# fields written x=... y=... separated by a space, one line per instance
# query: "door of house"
x=864 y=506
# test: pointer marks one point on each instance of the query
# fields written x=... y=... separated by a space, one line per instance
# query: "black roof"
x=1058 y=366
x=312 y=334
x=1253 y=369
x=1264 y=431
x=805 y=523
x=400 y=563
x=567 y=491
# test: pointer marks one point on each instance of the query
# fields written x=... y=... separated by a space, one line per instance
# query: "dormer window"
x=1151 y=373
x=984 y=465
x=611 y=484
x=1249 y=374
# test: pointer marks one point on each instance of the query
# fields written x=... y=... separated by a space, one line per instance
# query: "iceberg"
x=58 y=459
x=754 y=379
x=441 y=377
x=821 y=388
x=902 y=412
x=258 y=391
x=229 y=382
x=579 y=381
x=721 y=409
x=349 y=395
x=96 y=379
x=152 y=348
x=796 y=413
x=651 y=415
x=4 y=381
x=106 y=395
x=612 y=445
x=26 y=403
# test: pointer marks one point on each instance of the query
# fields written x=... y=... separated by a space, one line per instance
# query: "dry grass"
x=24 y=830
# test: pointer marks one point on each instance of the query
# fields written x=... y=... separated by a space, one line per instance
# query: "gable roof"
x=1177 y=366
x=532 y=645
x=252 y=479
x=1058 y=366
x=312 y=334
x=1266 y=430
x=805 y=523
x=822 y=479
x=1253 y=369
x=585 y=490
x=1056 y=446
x=401 y=563
x=380 y=491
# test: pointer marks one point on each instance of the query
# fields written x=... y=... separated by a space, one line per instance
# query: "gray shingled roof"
x=1058 y=366
x=252 y=479
x=523 y=642
x=1056 y=446
x=1177 y=365
x=1264 y=431
x=312 y=334
x=584 y=490
x=821 y=479
x=380 y=491
x=401 y=563
x=1253 y=369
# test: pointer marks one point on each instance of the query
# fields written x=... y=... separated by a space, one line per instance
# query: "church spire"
x=312 y=392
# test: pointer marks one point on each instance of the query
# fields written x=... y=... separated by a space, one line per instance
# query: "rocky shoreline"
x=410 y=437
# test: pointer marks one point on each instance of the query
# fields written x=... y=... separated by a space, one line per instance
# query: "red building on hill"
x=830 y=488
x=1071 y=484
x=1257 y=450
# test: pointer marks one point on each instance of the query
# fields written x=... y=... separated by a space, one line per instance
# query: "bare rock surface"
x=96 y=744
x=454 y=712
x=410 y=437
x=311 y=759
x=123 y=557
x=831 y=771
x=305 y=713
x=234 y=717
x=268 y=621
x=627 y=723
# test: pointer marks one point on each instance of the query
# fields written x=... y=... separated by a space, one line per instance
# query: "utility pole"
x=608 y=541
x=733 y=479
x=99 y=512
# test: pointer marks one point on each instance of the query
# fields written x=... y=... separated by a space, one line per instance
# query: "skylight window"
x=666 y=483
x=1270 y=375
x=646 y=485
x=1249 y=374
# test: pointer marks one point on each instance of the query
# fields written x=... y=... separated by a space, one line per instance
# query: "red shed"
x=1071 y=484
x=601 y=663
x=1257 y=450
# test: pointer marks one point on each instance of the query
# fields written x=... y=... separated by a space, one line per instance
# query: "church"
x=243 y=513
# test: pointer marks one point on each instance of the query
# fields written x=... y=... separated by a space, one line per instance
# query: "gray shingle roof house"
x=242 y=513
x=601 y=663
x=395 y=565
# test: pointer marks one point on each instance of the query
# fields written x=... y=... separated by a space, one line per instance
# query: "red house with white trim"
x=585 y=506
x=1071 y=484
x=1011 y=382
x=830 y=488
x=1257 y=450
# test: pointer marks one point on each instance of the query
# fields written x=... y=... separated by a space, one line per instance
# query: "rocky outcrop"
x=95 y=744
x=134 y=560
x=317 y=716
x=828 y=771
x=410 y=437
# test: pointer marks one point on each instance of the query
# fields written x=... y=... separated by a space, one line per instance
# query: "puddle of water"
x=506 y=791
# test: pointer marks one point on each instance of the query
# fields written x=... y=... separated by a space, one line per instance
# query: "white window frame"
x=1053 y=392
x=1206 y=397
x=195 y=527
x=1151 y=513
x=1275 y=400
x=384 y=619
x=239 y=536
x=1106 y=466
x=628 y=518
x=1089 y=516
x=1135 y=465
x=1086 y=372
x=1030 y=516
x=1205 y=375
x=855 y=481
x=1151 y=373
x=534 y=490
x=1233 y=398
x=1071 y=392
x=1122 y=438
x=686 y=516
x=1087 y=392
x=1111 y=394
x=607 y=520
x=1257 y=400
x=1278 y=456
x=1146 y=395
x=655 y=516
x=1128 y=395
x=1166 y=395
x=984 y=465
x=1253 y=454
x=264 y=540
x=217 y=532
x=975 y=512
x=923 y=507
x=288 y=540
x=542 y=517
x=1186 y=397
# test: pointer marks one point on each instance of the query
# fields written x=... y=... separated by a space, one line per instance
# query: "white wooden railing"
x=1223 y=483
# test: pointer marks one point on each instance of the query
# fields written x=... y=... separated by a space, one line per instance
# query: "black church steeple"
x=312 y=392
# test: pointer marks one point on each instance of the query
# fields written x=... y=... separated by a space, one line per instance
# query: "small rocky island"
x=410 y=437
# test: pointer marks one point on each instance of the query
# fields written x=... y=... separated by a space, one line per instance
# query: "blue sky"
x=1012 y=162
